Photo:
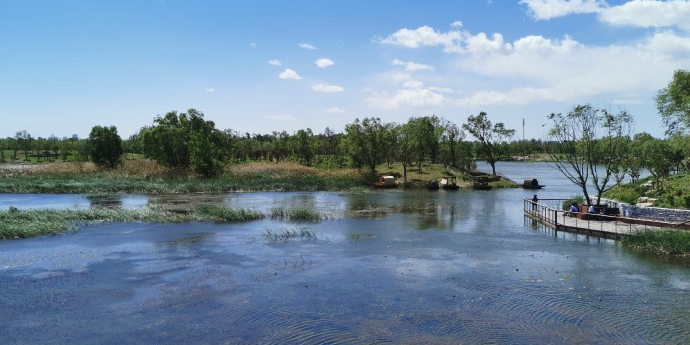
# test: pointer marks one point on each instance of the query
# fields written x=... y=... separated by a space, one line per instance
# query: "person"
x=592 y=210
x=535 y=200
x=574 y=208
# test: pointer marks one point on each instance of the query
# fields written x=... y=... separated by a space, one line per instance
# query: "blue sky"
x=262 y=66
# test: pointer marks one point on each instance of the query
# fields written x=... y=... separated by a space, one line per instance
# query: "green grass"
x=664 y=242
x=16 y=223
x=296 y=214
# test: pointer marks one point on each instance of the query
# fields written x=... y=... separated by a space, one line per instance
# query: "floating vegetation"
x=286 y=234
x=296 y=214
x=665 y=242
x=221 y=213
x=15 y=223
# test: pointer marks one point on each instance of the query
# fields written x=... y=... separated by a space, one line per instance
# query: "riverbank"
x=147 y=177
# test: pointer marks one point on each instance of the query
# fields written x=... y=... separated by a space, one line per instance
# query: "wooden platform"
x=611 y=227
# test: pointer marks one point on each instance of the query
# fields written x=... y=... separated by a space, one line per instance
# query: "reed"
x=286 y=234
x=16 y=223
x=296 y=214
x=664 y=242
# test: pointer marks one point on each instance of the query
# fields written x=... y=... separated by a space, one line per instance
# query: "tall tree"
x=489 y=136
x=589 y=146
x=105 y=146
x=673 y=103
x=23 y=141
x=186 y=141
x=303 y=145
x=658 y=159
x=364 y=142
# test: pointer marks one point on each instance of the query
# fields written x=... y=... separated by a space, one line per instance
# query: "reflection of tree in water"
x=184 y=202
x=105 y=201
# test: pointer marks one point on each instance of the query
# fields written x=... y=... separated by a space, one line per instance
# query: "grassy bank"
x=16 y=223
x=140 y=176
x=672 y=243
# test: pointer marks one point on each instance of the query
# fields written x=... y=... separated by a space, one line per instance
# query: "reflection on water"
x=393 y=267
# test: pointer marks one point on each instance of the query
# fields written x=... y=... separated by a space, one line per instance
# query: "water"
x=387 y=267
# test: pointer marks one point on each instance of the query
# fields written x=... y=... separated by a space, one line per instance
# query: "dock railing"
x=550 y=213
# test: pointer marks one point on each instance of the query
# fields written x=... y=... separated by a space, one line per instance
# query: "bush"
x=579 y=199
x=625 y=193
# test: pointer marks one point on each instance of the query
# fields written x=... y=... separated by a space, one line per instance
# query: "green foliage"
x=489 y=136
x=577 y=199
x=665 y=242
x=105 y=146
x=626 y=193
x=186 y=141
x=673 y=103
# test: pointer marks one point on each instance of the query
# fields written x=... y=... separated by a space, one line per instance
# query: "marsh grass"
x=148 y=177
x=16 y=223
x=221 y=213
x=286 y=234
x=664 y=242
x=296 y=214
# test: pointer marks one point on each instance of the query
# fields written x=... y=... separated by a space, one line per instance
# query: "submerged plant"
x=286 y=234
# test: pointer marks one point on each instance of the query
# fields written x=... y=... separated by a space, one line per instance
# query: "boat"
x=433 y=185
x=481 y=183
x=387 y=181
x=449 y=183
x=532 y=184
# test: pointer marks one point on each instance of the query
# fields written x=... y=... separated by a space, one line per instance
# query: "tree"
x=186 y=141
x=658 y=159
x=23 y=141
x=364 y=141
x=105 y=146
x=673 y=103
x=588 y=146
x=450 y=140
x=490 y=137
x=303 y=145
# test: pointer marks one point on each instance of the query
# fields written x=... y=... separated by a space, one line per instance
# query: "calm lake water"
x=413 y=267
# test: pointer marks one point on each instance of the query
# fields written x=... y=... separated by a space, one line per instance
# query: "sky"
x=272 y=65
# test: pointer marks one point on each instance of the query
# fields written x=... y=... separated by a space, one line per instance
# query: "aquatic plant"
x=665 y=242
x=221 y=213
x=296 y=214
x=286 y=234
x=16 y=223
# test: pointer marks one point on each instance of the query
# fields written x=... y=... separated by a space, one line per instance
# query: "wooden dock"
x=548 y=212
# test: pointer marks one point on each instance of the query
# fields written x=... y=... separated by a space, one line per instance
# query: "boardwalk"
x=548 y=213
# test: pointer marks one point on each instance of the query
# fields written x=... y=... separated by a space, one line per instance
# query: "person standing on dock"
x=535 y=200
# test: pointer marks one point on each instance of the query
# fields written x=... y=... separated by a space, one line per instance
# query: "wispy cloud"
x=327 y=88
x=324 y=62
x=210 y=90
x=306 y=46
x=289 y=74
x=635 y=13
x=424 y=36
x=412 y=66
x=275 y=62
x=456 y=24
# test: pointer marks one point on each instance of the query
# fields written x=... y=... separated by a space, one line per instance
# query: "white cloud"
x=412 y=66
x=334 y=110
x=456 y=24
x=647 y=13
x=210 y=90
x=323 y=63
x=289 y=74
x=306 y=46
x=275 y=62
x=549 y=9
x=424 y=36
x=413 y=94
x=635 y=13
x=480 y=43
x=327 y=88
